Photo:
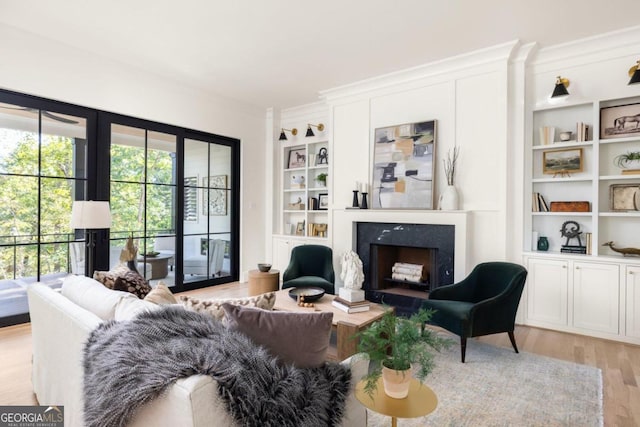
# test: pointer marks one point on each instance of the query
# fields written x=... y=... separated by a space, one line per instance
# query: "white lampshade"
x=90 y=215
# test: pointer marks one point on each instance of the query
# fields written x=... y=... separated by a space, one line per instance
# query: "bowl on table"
x=310 y=293
x=264 y=267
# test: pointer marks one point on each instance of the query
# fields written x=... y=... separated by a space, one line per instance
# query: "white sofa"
x=61 y=323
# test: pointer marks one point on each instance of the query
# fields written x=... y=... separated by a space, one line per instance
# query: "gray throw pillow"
x=301 y=339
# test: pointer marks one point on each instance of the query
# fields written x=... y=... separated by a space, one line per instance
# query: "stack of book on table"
x=351 y=307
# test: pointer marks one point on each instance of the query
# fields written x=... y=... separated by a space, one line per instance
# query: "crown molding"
x=455 y=64
x=626 y=39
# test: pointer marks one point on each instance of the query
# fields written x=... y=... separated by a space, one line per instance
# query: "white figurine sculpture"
x=352 y=276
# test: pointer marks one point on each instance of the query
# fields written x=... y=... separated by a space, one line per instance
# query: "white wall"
x=468 y=96
x=38 y=66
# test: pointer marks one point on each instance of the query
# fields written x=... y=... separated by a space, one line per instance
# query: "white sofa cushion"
x=93 y=296
x=128 y=308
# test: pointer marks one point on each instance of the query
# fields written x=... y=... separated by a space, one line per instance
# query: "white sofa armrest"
x=355 y=414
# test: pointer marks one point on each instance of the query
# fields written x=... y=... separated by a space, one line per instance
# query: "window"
x=174 y=190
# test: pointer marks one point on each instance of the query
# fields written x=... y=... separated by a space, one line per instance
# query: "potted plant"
x=629 y=160
x=394 y=344
x=322 y=179
x=449 y=197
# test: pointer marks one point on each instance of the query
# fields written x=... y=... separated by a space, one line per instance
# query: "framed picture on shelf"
x=403 y=166
x=322 y=158
x=300 y=229
x=620 y=121
x=562 y=161
x=297 y=158
x=323 y=201
x=624 y=197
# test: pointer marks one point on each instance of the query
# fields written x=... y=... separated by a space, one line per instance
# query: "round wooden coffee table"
x=421 y=401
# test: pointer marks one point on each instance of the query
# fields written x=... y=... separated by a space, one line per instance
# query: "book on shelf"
x=582 y=132
x=588 y=240
x=539 y=204
x=630 y=171
x=347 y=309
x=547 y=134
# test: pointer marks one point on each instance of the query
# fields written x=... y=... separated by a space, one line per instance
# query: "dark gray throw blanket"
x=127 y=364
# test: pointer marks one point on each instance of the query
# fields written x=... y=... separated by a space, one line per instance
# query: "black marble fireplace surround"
x=439 y=239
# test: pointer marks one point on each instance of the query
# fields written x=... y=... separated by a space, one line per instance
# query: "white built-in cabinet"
x=598 y=293
x=547 y=292
x=632 y=287
x=576 y=296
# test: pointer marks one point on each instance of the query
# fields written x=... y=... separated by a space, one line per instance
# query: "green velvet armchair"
x=310 y=265
x=484 y=303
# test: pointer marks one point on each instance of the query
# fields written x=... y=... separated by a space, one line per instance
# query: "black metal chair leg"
x=463 y=347
x=513 y=341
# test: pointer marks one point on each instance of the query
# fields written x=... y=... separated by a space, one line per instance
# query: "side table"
x=260 y=283
x=420 y=401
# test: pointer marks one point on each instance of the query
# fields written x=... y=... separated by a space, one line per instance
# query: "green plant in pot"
x=395 y=344
x=629 y=160
x=322 y=179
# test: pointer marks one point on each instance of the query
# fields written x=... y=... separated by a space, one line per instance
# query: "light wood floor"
x=620 y=363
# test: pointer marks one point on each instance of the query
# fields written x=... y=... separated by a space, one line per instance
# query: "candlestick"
x=354 y=204
x=364 y=205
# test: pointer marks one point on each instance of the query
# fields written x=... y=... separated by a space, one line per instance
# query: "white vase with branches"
x=449 y=199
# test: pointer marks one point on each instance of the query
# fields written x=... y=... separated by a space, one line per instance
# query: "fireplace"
x=381 y=246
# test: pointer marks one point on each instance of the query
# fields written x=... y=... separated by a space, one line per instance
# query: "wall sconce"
x=561 y=87
x=283 y=137
x=320 y=127
x=634 y=73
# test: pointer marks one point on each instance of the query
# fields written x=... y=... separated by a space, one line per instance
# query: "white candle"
x=363 y=187
x=357 y=186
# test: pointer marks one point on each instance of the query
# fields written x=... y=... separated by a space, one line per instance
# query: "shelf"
x=294 y=211
x=319 y=189
x=319 y=167
x=312 y=211
x=619 y=177
x=295 y=190
x=561 y=180
x=630 y=214
x=294 y=170
x=561 y=213
x=620 y=140
x=563 y=145
x=562 y=105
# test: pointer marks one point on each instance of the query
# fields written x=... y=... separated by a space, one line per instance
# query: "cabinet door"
x=633 y=301
x=282 y=252
x=596 y=294
x=547 y=286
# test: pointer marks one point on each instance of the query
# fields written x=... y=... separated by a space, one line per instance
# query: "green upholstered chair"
x=310 y=265
x=484 y=303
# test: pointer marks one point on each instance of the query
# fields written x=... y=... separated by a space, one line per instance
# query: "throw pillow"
x=128 y=308
x=161 y=295
x=301 y=339
x=213 y=307
x=107 y=278
x=132 y=282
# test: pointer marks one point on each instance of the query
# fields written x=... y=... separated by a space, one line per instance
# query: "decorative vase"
x=543 y=244
x=396 y=383
x=354 y=203
x=449 y=199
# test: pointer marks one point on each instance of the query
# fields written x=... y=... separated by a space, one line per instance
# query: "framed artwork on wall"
x=214 y=195
x=191 y=199
x=403 y=166
x=620 y=121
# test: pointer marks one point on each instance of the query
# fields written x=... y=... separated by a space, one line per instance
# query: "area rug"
x=497 y=387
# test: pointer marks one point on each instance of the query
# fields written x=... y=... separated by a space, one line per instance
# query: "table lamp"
x=90 y=216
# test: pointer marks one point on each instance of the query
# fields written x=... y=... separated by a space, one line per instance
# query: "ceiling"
x=282 y=52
